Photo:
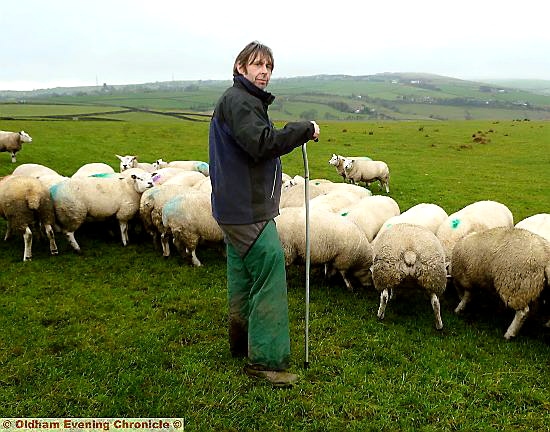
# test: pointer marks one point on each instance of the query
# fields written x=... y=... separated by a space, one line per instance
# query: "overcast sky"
x=54 y=43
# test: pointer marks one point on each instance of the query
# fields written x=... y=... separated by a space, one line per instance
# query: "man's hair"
x=250 y=53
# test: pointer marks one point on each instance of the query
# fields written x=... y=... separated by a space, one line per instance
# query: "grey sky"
x=68 y=43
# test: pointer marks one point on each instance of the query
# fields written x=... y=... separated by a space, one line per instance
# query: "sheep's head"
x=159 y=163
x=142 y=182
x=333 y=160
x=348 y=164
x=25 y=137
x=127 y=162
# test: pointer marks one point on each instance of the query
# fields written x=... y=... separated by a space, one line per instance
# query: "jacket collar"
x=241 y=82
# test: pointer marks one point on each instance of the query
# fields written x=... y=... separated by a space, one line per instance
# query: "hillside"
x=385 y=96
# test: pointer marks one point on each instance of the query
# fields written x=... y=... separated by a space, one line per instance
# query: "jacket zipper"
x=274 y=182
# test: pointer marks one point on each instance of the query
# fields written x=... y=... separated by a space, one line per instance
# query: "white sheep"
x=408 y=256
x=13 y=141
x=538 y=224
x=370 y=213
x=162 y=175
x=512 y=262
x=150 y=207
x=337 y=161
x=188 y=219
x=334 y=241
x=186 y=178
x=93 y=168
x=46 y=175
x=131 y=161
x=295 y=196
x=97 y=198
x=24 y=203
x=204 y=185
x=475 y=217
x=368 y=171
x=430 y=216
x=189 y=165
x=332 y=201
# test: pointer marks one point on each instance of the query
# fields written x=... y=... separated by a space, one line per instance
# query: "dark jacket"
x=244 y=151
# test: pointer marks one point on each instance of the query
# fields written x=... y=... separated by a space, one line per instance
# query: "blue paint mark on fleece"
x=103 y=175
x=455 y=223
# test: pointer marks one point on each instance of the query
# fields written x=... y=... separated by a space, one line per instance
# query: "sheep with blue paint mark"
x=189 y=165
x=79 y=199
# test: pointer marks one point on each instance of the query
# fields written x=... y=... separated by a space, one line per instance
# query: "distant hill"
x=384 y=96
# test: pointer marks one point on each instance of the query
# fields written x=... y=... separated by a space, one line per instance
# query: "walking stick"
x=306 y=192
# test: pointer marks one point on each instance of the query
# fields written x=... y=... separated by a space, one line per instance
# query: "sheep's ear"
x=120 y=157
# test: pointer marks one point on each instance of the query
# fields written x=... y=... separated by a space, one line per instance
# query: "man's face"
x=258 y=72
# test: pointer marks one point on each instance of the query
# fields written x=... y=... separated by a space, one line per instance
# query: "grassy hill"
x=386 y=96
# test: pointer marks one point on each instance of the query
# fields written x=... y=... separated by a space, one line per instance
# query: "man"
x=245 y=172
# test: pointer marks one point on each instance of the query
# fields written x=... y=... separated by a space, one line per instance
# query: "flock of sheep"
x=365 y=238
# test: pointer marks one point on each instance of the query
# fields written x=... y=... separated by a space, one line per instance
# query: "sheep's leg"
x=466 y=297
x=517 y=322
x=165 y=242
x=124 y=232
x=13 y=159
x=346 y=281
x=384 y=298
x=27 y=239
x=194 y=259
x=51 y=237
x=437 y=312
x=8 y=233
x=72 y=241
x=387 y=185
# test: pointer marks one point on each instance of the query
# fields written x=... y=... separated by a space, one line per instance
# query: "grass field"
x=122 y=332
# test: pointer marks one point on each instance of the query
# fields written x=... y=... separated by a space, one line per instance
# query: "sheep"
x=334 y=241
x=203 y=185
x=188 y=219
x=80 y=198
x=93 y=168
x=130 y=161
x=46 y=175
x=332 y=201
x=368 y=172
x=150 y=206
x=186 y=178
x=475 y=217
x=33 y=170
x=407 y=255
x=189 y=165
x=13 y=141
x=24 y=200
x=162 y=175
x=337 y=161
x=430 y=216
x=295 y=195
x=512 y=262
x=370 y=213
x=538 y=224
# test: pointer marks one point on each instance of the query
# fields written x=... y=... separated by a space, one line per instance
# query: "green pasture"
x=122 y=332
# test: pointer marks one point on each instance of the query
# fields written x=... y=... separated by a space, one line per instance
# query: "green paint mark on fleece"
x=455 y=223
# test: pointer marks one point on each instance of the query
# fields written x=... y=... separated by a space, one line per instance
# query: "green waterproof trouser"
x=258 y=305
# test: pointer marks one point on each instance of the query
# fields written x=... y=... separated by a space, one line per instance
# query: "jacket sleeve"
x=255 y=134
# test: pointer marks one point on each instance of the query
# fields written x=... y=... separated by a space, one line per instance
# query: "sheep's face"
x=127 y=162
x=348 y=163
x=25 y=137
x=333 y=160
x=159 y=163
x=143 y=182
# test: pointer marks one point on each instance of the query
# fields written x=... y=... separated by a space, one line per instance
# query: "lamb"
x=475 y=217
x=97 y=198
x=405 y=256
x=370 y=213
x=13 y=141
x=538 y=224
x=513 y=262
x=430 y=216
x=337 y=161
x=25 y=201
x=130 y=161
x=188 y=219
x=189 y=165
x=334 y=241
x=368 y=172
x=92 y=168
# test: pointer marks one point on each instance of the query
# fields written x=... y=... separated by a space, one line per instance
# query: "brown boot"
x=276 y=378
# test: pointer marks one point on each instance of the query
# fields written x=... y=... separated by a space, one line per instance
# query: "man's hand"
x=317 y=131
